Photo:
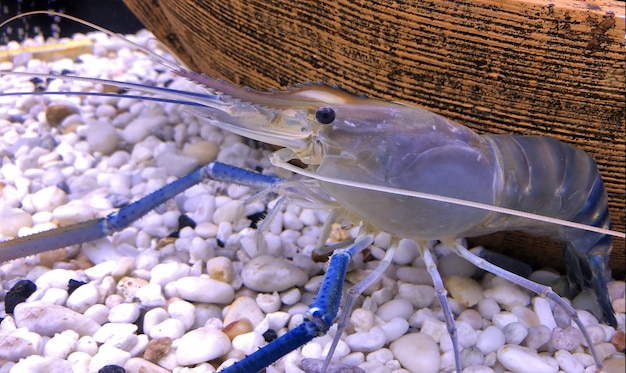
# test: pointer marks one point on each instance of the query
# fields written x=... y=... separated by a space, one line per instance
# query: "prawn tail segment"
x=589 y=272
x=587 y=256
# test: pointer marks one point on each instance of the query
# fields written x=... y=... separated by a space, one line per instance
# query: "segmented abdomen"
x=548 y=177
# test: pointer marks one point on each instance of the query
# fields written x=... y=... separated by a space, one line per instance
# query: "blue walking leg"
x=318 y=320
x=116 y=221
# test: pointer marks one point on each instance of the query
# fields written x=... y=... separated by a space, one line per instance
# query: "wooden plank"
x=552 y=68
x=65 y=49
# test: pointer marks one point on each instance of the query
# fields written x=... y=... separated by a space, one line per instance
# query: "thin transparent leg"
x=544 y=291
x=441 y=293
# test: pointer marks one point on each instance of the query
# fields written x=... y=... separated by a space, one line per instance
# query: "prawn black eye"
x=325 y=115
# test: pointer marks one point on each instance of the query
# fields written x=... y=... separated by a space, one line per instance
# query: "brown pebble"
x=565 y=339
x=82 y=262
x=203 y=151
x=157 y=348
x=164 y=242
x=618 y=341
x=339 y=234
x=55 y=114
x=619 y=305
x=238 y=327
x=127 y=287
x=49 y=258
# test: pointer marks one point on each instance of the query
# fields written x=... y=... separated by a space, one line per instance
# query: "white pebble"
x=48 y=319
x=171 y=328
x=200 y=345
x=55 y=296
x=100 y=270
x=277 y=320
x=183 y=311
x=290 y=296
x=466 y=334
x=98 y=313
x=137 y=364
x=248 y=342
x=226 y=213
x=434 y=328
x=114 y=330
x=142 y=127
x=204 y=289
x=520 y=359
x=395 y=328
x=87 y=345
x=420 y=296
x=124 y=313
x=526 y=316
x=47 y=199
x=61 y=345
x=80 y=362
x=37 y=363
x=139 y=344
x=154 y=317
x=508 y=296
x=362 y=319
x=308 y=217
x=605 y=350
x=164 y=273
x=84 y=297
x=515 y=333
x=503 y=319
x=488 y=308
x=268 y=303
x=56 y=278
x=105 y=111
x=12 y=220
x=312 y=350
x=268 y=274
x=490 y=340
x=568 y=363
x=19 y=343
x=478 y=369
x=369 y=341
x=406 y=252
x=395 y=308
x=102 y=137
x=417 y=352
x=291 y=221
x=597 y=333
x=473 y=318
x=108 y=355
x=150 y=295
x=542 y=308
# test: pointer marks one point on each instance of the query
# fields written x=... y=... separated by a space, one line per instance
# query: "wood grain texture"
x=551 y=68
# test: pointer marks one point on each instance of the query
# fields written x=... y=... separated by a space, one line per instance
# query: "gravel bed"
x=151 y=302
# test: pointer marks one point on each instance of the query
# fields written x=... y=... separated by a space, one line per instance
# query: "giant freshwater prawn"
x=384 y=166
